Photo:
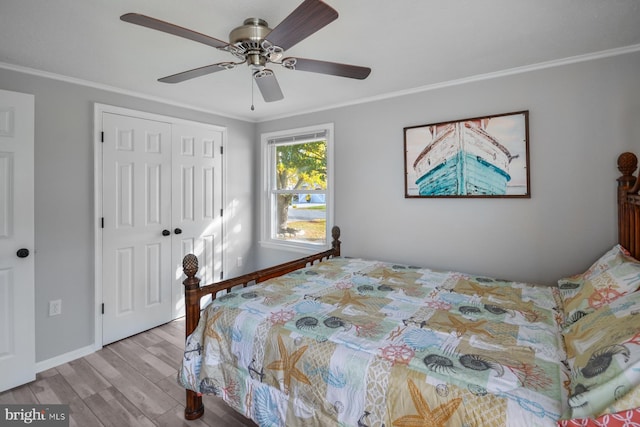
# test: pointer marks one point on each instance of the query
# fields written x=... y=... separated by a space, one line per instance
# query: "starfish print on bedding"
x=346 y=299
x=462 y=327
x=578 y=334
x=210 y=331
x=482 y=290
x=390 y=274
x=426 y=417
x=287 y=364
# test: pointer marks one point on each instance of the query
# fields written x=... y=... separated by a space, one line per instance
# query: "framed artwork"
x=477 y=157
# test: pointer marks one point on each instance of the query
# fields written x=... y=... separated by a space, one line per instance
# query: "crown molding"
x=108 y=88
x=471 y=79
x=476 y=78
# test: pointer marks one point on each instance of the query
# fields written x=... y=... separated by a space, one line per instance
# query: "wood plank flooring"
x=128 y=383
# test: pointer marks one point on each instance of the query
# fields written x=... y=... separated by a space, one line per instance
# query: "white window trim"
x=266 y=240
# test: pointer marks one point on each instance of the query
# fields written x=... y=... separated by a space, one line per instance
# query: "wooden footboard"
x=194 y=292
x=629 y=204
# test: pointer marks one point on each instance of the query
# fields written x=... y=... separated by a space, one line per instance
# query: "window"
x=298 y=188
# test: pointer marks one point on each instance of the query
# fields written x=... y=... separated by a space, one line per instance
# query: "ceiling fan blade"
x=196 y=72
x=324 y=67
x=305 y=20
x=166 y=27
x=268 y=85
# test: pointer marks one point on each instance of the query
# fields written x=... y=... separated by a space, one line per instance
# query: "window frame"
x=268 y=205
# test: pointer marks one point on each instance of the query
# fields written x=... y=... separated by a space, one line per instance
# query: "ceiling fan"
x=257 y=45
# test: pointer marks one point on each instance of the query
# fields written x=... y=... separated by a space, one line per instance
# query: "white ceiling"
x=408 y=44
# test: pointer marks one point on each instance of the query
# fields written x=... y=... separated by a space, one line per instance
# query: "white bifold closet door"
x=161 y=199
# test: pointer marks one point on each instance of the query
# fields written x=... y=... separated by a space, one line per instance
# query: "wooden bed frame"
x=629 y=204
x=194 y=292
x=628 y=236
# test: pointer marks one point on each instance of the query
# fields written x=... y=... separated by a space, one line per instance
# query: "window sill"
x=294 y=247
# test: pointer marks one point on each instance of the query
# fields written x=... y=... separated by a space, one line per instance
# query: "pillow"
x=612 y=257
x=615 y=274
x=603 y=351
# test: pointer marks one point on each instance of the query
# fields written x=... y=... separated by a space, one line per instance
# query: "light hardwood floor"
x=128 y=383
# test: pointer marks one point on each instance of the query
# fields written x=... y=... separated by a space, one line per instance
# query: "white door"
x=136 y=261
x=17 y=316
x=197 y=205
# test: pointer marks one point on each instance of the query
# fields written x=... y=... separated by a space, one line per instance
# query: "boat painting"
x=482 y=157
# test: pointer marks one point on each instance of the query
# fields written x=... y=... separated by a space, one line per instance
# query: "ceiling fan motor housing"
x=248 y=41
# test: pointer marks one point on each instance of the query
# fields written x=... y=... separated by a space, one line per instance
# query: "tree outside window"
x=298 y=187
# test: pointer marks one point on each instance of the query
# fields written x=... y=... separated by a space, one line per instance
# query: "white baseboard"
x=64 y=358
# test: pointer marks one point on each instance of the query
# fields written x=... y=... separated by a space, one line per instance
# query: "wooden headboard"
x=629 y=204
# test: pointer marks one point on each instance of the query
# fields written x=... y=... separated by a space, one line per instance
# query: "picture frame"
x=478 y=157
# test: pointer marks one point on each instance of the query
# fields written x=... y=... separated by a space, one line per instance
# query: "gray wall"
x=64 y=244
x=582 y=116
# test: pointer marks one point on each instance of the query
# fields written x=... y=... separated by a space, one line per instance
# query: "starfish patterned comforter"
x=353 y=342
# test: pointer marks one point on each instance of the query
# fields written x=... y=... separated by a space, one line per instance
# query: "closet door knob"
x=165 y=232
x=22 y=253
x=178 y=231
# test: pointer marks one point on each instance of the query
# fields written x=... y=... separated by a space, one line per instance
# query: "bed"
x=331 y=340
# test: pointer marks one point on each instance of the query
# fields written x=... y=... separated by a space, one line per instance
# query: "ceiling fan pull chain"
x=252 y=83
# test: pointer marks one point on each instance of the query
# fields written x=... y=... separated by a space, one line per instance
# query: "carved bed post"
x=194 y=407
x=335 y=243
x=627 y=164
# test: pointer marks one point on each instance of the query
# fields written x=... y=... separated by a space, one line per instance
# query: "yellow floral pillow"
x=615 y=274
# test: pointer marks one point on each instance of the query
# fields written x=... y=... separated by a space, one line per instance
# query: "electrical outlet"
x=239 y=262
x=55 y=307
